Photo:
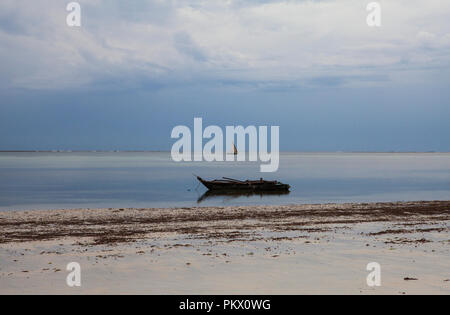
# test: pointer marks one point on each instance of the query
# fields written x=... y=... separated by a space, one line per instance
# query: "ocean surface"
x=66 y=180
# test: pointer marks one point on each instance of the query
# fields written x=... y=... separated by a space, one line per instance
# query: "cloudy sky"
x=135 y=69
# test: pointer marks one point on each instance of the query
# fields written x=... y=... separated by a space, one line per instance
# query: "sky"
x=136 y=69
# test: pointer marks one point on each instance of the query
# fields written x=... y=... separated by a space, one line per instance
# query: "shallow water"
x=152 y=179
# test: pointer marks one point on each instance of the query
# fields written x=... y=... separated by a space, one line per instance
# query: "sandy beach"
x=292 y=249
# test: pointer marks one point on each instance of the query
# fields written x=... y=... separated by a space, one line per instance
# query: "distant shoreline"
x=151 y=151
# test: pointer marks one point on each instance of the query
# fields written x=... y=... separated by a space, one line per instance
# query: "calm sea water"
x=152 y=179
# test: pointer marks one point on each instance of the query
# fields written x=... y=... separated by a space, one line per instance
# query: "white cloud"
x=307 y=42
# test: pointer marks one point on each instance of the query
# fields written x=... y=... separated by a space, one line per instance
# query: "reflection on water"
x=229 y=195
x=152 y=179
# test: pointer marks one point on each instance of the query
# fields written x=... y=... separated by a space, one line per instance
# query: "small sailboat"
x=235 y=151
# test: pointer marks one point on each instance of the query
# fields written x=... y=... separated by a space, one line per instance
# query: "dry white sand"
x=298 y=249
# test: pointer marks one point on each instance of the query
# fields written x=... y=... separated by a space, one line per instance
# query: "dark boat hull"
x=252 y=186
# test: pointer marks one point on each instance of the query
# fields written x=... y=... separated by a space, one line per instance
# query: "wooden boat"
x=230 y=184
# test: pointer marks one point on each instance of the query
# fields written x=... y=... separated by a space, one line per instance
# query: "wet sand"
x=296 y=249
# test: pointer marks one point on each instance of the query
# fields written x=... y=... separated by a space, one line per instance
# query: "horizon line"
x=168 y=151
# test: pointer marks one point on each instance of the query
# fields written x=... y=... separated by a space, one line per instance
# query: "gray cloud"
x=185 y=45
x=295 y=43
